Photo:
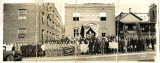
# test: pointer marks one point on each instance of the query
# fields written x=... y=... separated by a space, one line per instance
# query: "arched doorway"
x=89 y=29
x=90 y=33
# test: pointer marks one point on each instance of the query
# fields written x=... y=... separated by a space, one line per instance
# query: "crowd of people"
x=140 y=44
x=89 y=45
x=96 y=45
x=112 y=45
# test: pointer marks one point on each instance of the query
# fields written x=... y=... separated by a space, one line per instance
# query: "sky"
x=138 y=6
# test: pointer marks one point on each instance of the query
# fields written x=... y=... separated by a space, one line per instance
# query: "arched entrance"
x=90 y=33
x=89 y=29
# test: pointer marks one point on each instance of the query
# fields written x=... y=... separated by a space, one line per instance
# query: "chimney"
x=130 y=9
x=121 y=14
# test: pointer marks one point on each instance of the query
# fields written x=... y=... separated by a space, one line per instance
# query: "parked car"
x=11 y=55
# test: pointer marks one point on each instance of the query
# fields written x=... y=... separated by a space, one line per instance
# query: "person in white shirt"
x=8 y=46
x=83 y=47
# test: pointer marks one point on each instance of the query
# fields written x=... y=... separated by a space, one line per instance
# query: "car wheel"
x=10 y=58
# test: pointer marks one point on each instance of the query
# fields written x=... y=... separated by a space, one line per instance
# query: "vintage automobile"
x=11 y=55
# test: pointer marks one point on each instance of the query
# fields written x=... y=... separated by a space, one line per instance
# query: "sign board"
x=113 y=45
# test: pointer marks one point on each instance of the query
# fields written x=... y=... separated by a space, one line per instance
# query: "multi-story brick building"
x=31 y=23
x=83 y=19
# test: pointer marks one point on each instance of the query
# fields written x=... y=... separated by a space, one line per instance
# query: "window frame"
x=103 y=15
x=129 y=27
x=20 y=11
x=76 y=16
x=104 y=34
x=43 y=17
x=103 y=18
x=43 y=32
x=76 y=32
x=21 y=31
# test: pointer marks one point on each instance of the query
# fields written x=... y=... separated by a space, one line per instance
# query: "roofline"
x=131 y=14
x=90 y=5
x=136 y=16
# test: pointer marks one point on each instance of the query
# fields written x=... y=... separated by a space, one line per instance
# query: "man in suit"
x=102 y=45
x=90 y=46
x=106 y=46
x=153 y=41
x=148 y=43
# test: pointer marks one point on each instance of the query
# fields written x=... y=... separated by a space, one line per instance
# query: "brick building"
x=83 y=19
x=31 y=23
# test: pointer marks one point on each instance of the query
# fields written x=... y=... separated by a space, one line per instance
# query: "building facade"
x=84 y=19
x=153 y=12
x=131 y=25
x=31 y=23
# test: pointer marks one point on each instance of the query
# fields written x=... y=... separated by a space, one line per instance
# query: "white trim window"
x=22 y=14
x=21 y=32
x=103 y=16
x=75 y=16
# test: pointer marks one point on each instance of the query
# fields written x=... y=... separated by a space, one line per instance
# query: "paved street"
x=141 y=56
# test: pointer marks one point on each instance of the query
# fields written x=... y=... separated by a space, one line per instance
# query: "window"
x=22 y=14
x=52 y=24
x=153 y=14
x=49 y=22
x=126 y=27
x=42 y=17
x=53 y=36
x=103 y=16
x=144 y=28
x=130 y=27
x=48 y=19
x=134 y=27
x=47 y=35
x=103 y=34
x=21 y=32
x=152 y=28
x=75 y=16
x=76 y=32
x=42 y=33
x=50 y=35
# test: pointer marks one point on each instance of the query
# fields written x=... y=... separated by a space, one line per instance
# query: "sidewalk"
x=86 y=56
